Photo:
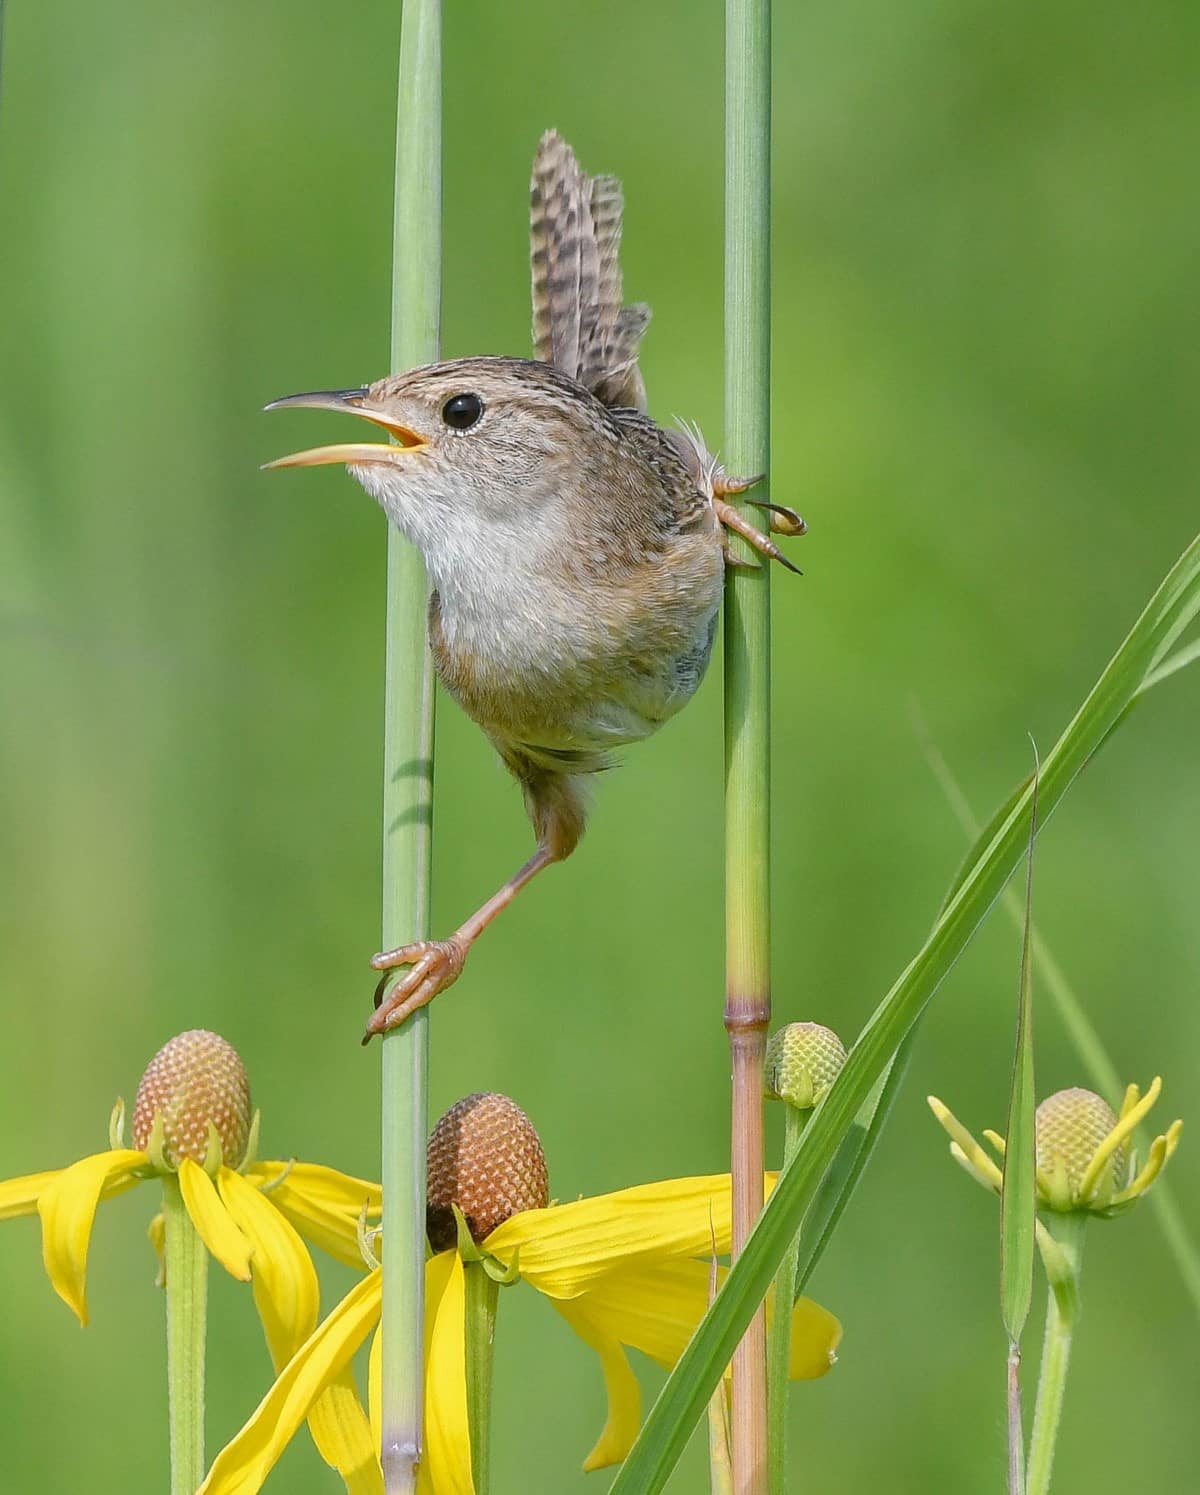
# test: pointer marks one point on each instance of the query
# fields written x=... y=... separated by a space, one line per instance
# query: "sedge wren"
x=575 y=548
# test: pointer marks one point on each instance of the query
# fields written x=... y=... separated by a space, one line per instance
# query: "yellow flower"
x=1083 y=1163
x=626 y=1270
x=192 y=1128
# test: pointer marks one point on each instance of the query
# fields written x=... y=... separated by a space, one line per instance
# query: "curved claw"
x=784 y=521
x=734 y=519
x=436 y=964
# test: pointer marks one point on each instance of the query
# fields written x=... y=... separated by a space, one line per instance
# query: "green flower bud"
x=803 y=1060
x=1083 y=1158
x=1070 y=1127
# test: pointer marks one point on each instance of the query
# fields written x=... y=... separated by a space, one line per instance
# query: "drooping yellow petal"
x=655 y=1308
x=19 y=1196
x=324 y=1205
x=439 y=1384
x=447 y=1456
x=565 y=1248
x=624 y=1393
x=286 y=1292
x=286 y=1295
x=816 y=1334
x=67 y=1206
x=242 y=1465
x=375 y=1382
x=343 y=1436
x=214 y=1224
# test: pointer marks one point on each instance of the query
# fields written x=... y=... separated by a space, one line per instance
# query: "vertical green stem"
x=779 y=1337
x=482 y=1295
x=747 y=674
x=1062 y=1311
x=186 y=1267
x=408 y=757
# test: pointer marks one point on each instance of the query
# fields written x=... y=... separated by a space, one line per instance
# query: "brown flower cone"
x=484 y=1156
x=194 y=1081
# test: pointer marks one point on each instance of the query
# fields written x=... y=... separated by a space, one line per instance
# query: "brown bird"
x=576 y=549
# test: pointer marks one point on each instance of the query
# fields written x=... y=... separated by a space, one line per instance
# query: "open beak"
x=348 y=402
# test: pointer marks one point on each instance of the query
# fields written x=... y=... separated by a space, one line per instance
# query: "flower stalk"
x=186 y=1269
x=1063 y=1258
x=408 y=757
x=747 y=677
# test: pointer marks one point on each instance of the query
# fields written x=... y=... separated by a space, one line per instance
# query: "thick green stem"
x=747 y=675
x=482 y=1295
x=186 y=1268
x=1062 y=1311
x=779 y=1336
x=408 y=758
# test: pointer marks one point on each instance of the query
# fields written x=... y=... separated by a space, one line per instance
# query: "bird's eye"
x=461 y=412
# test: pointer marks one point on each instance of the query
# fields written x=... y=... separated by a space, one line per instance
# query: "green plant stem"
x=186 y=1268
x=482 y=1296
x=1062 y=1312
x=779 y=1335
x=747 y=677
x=408 y=758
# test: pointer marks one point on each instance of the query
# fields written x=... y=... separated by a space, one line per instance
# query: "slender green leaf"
x=683 y=1398
x=1018 y=1194
x=851 y=1161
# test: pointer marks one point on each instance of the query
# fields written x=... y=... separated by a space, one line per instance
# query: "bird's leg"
x=437 y=964
x=783 y=521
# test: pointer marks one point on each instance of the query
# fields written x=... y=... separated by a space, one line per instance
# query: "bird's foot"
x=783 y=521
x=436 y=964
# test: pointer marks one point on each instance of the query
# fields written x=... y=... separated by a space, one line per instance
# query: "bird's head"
x=481 y=446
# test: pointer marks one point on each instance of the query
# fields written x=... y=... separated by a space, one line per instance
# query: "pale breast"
x=572 y=671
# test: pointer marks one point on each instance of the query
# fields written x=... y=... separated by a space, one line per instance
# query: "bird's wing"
x=579 y=323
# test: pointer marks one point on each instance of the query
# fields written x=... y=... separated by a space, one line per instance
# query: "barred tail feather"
x=579 y=323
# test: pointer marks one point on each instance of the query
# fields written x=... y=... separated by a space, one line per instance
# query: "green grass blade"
x=1018 y=1195
x=1180 y=660
x=851 y=1161
x=683 y=1398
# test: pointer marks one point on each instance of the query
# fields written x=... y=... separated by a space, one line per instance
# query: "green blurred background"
x=987 y=355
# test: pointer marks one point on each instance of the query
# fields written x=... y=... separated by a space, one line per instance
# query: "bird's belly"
x=584 y=686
